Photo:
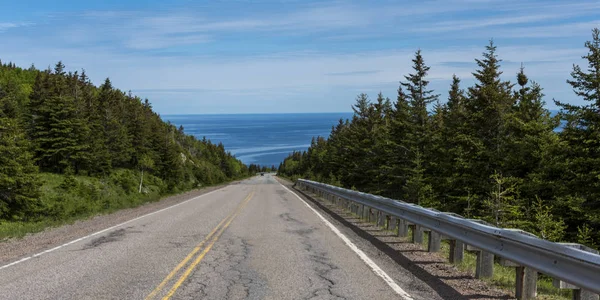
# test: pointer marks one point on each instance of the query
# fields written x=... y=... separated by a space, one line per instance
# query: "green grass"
x=65 y=199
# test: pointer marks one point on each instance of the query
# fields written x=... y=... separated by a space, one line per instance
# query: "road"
x=251 y=240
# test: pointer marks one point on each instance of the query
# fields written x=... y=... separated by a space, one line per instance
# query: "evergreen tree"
x=417 y=141
x=454 y=166
x=489 y=103
x=19 y=190
x=581 y=135
x=400 y=132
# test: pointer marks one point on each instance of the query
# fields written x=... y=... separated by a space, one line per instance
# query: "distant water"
x=264 y=139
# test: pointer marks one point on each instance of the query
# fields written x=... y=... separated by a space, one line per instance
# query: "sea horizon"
x=259 y=138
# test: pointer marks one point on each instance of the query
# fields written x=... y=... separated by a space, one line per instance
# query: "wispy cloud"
x=580 y=29
x=487 y=22
x=6 y=26
x=350 y=73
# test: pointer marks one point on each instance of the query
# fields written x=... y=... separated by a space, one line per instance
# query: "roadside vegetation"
x=492 y=151
x=70 y=150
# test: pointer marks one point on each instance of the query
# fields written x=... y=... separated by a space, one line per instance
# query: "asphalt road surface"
x=251 y=240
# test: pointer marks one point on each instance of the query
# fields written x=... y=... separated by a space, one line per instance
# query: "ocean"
x=264 y=139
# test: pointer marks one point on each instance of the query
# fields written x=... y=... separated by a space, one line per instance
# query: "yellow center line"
x=201 y=256
x=197 y=248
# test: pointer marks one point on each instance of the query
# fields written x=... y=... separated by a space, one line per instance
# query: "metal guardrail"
x=568 y=264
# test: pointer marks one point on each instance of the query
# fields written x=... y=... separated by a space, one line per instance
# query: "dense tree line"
x=54 y=121
x=491 y=151
x=255 y=168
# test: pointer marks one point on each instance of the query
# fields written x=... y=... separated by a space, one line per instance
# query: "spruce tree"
x=19 y=192
x=581 y=135
x=418 y=138
x=455 y=193
x=489 y=103
x=400 y=133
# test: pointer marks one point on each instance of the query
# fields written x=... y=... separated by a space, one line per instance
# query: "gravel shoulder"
x=432 y=269
x=16 y=248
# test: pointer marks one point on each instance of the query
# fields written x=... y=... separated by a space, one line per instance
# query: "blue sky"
x=263 y=56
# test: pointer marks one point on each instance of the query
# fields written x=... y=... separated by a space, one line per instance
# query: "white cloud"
x=148 y=41
x=503 y=20
x=579 y=29
x=8 y=25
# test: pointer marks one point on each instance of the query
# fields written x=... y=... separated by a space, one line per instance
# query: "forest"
x=69 y=149
x=492 y=151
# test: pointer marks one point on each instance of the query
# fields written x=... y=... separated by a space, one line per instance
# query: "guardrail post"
x=392 y=224
x=526 y=280
x=381 y=219
x=402 y=228
x=578 y=294
x=434 y=241
x=417 y=233
x=485 y=263
x=457 y=251
x=365 y=212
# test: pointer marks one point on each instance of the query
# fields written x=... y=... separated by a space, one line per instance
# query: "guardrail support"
x=578 y=294
x=402 y=228
x=526 y=280
x=434 y=241
x=381 y=219
x=392 y=224
x=485 y=263
x=417 y=233
x=457 y=251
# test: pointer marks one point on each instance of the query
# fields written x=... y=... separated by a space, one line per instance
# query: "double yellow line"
x=213 y=236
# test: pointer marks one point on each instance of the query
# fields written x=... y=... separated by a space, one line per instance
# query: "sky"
x=264 y=56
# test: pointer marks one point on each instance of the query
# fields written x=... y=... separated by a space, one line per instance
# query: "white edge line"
x=104 y=230
x=376 y=269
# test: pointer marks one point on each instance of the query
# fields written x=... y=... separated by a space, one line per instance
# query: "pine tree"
x=438 y=158
x=63 y=143
x=532 y=139
x=381 y=149
x=19 y=192
x=489 y=103
x=418 y=138
x=581 y=135
x=454 y=191
x=400 y=132
x=358 y=143
x=114 y=133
